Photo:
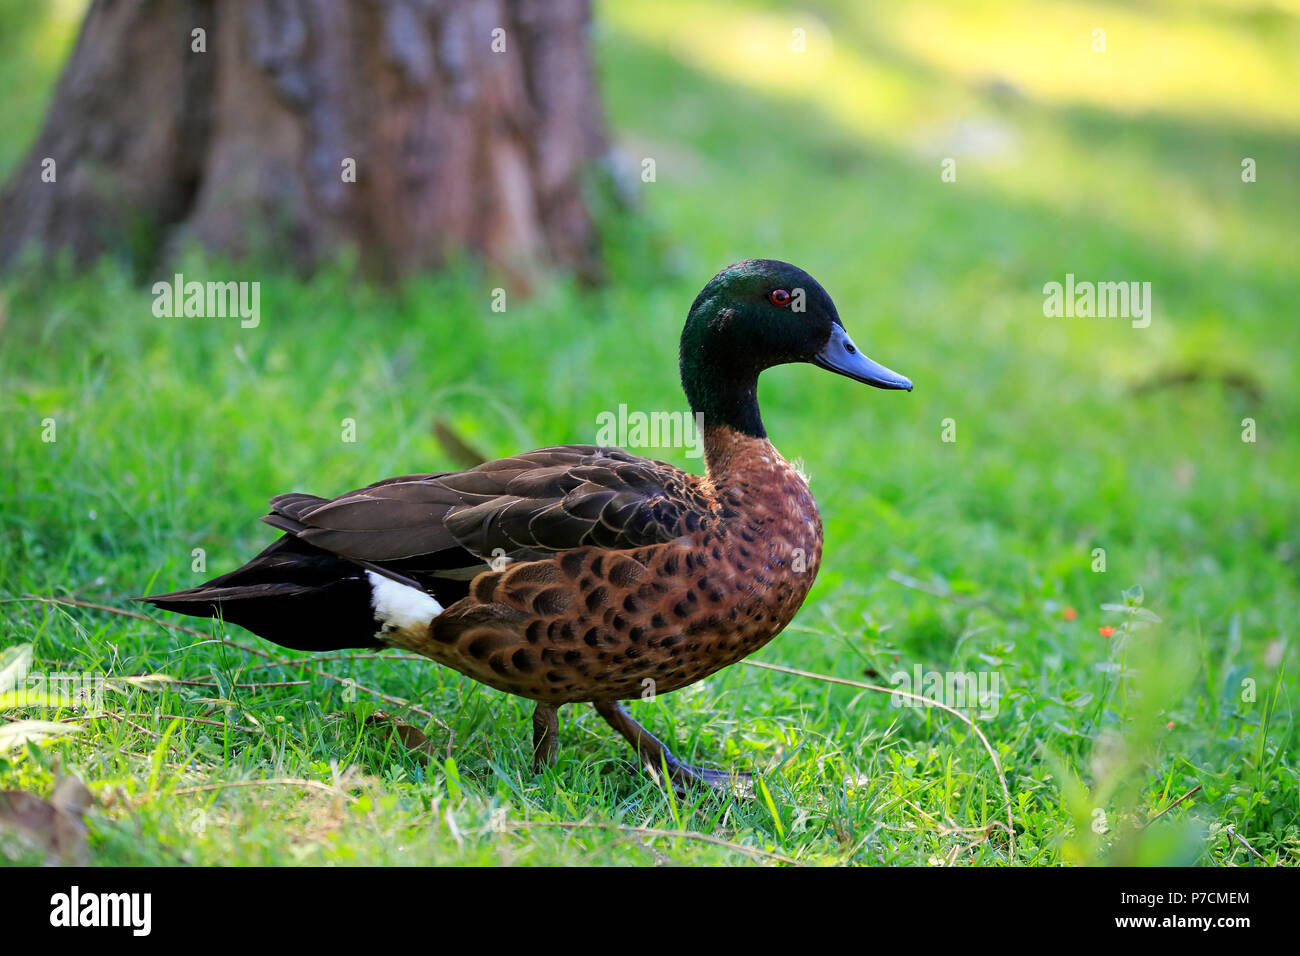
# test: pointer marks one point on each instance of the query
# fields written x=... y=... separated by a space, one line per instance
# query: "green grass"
x=954 y=556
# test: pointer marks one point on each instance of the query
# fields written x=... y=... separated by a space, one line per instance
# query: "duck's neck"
x=727 y=396
x=733 y=458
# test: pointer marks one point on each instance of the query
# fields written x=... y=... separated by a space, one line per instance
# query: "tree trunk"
x=468 y=123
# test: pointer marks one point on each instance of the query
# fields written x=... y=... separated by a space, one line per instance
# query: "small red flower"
x=1106 y=630
x=1169 y=726
x=1069 y=614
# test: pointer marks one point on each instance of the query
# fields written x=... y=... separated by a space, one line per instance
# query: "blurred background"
x=932 y=164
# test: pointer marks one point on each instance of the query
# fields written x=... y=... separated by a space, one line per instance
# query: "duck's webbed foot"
x=656 y=756
x=546 y=736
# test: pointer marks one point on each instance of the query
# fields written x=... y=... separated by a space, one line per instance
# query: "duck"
x=577 y=574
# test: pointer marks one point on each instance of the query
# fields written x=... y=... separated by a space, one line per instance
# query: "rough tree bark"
x=470 y=122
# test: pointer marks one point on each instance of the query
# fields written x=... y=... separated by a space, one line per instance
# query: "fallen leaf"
x=54 y=828
x=412 y=738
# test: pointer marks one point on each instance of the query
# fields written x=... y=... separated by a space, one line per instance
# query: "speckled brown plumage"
x=595 y=623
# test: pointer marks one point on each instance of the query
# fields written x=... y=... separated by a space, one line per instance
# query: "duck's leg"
x=546 y=736
x=655 y=754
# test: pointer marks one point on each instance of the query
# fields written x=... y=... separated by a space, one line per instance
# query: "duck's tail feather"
x=302 y=597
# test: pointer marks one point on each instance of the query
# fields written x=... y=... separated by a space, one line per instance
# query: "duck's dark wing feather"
x=310 y=589
x=524 y=507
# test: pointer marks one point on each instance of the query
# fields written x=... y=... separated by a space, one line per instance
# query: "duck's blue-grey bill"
x=842 y=356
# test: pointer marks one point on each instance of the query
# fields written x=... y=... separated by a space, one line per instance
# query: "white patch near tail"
x=400 y=607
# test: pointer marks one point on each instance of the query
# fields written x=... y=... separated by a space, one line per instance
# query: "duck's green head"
x=756 y=314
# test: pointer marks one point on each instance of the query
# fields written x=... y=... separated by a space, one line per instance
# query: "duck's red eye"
x=779 y=297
